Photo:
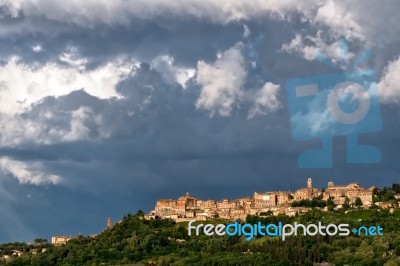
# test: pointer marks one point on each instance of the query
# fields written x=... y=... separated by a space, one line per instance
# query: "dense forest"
x=136 y=241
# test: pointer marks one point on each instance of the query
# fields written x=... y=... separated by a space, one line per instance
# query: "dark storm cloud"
x=142 y=39
x=168 y=145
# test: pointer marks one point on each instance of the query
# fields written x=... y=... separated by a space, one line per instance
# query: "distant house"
x=352 y=191
x=5 y=258
x=59 y=240
x=17 y=253
x=385 y=205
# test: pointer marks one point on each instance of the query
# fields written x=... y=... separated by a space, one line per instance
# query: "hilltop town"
x=347 y=200
x=186 y=207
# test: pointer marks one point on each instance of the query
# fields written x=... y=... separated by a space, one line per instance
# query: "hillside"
x=136 y=241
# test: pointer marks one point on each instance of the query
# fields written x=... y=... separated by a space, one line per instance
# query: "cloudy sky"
x=106 y=106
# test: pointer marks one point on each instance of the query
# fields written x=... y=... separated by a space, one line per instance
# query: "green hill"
x=136 y=241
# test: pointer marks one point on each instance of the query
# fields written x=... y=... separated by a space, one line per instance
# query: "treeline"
x=314 y=202
x=318 y=202
x=386 y=194
x=10 y=248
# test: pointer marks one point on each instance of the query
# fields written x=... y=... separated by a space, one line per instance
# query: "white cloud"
x=18 y=130
x=183 y=75
x=313 y=122
x=78 y=130
x=315 y=46
x=172 y=73
x=372 y=21
x=80 y=124
x=90 y=12
x=223 y=86
x=15 y=130
x=71 y=58
x=297 y=46
x=37 y=48
x=246 y=31
x=22 y=84
x=389 y=84
x=342 y=20
x=265 y=100
x=222 y=82
x=375 y=23
x=28 y=173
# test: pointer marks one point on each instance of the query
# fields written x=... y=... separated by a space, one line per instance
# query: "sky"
x=107 y=106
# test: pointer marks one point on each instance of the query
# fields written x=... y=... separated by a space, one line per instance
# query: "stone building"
x=166 y=207
x=59 y=240
x=306 y=193
x=270 y=199
x=339 y=194
x=264 y=200
x=244 y=203
x=207 y=204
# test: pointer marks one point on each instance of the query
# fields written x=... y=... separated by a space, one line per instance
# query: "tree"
x=358 y=202
x=265 y=213
x=40 y=240
x=396 y=188
x=330 y=202
x=389 y=195
x=140 y=213
x=346 y=204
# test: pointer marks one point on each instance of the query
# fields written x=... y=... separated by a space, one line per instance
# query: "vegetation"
x=315 y=202
x=386 y=194
x=136 y=241
x=358 y=202
x=163 y=242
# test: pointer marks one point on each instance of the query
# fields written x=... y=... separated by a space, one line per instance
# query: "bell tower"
x=309 y=183
x=109 y=223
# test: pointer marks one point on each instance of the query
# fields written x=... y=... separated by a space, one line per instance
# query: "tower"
x=309 y=183
x=109 y=223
